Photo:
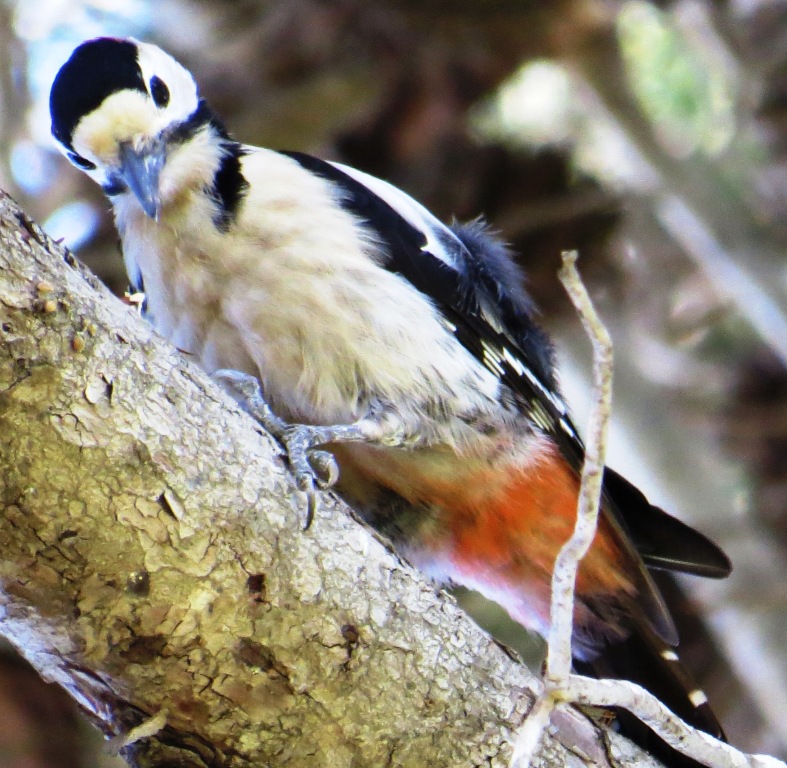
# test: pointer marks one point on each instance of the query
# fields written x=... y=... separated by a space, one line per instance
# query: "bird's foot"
x=313 y=468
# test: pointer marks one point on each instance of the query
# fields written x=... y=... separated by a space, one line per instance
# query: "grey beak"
x=140 y=170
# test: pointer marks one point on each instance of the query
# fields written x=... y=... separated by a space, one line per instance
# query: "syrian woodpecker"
x=408 y=348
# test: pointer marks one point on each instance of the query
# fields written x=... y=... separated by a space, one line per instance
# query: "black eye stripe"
x=159 y=91
x=81 y=162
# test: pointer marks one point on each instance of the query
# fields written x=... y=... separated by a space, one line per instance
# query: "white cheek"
x=189 y=168
x=101 y=176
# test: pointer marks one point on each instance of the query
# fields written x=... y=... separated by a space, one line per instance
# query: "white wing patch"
x=498 y=359
x=495 y=358
x=515 y=363
x=568 y=429
x=698 y=697
x=411 y=211
x=540 y=416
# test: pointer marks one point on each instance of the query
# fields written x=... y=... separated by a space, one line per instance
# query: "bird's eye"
x=159 y=91
x=81 y=162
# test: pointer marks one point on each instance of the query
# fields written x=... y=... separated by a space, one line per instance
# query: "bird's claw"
x=313 y=468
x=310 y=465
x=325 y=466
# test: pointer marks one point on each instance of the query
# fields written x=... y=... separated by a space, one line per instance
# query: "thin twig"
x=558 y=661
x=530 y=733
x=559 y=684
x=670 y=728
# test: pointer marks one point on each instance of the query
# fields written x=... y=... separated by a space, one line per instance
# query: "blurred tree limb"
x=153 y=564
x=695 y=201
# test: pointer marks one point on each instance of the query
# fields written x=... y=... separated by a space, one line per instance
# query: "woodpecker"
x=405 y=349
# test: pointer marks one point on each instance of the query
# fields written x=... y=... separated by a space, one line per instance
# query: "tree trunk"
x=155 y=566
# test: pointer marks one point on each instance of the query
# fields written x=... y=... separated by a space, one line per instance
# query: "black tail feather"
x=664 y=542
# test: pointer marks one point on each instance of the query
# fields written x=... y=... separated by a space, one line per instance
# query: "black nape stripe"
x=203 y=115
x=229 y=186
x=114 y=185
x=96 y=70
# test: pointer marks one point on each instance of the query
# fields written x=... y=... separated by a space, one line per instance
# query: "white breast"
x=295 y=294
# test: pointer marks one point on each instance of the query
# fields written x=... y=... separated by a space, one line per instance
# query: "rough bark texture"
x=153 y=560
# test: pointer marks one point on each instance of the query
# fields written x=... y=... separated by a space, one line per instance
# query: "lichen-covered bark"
x=153 y=562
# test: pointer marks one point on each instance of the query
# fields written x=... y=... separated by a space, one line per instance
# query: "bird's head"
x=130 y=116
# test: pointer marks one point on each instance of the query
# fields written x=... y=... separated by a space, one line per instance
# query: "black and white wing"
x=472 y=280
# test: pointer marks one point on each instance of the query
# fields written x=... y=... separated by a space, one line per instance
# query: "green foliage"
x=686 y=93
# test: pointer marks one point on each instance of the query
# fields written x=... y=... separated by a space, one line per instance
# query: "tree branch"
x=155 y=567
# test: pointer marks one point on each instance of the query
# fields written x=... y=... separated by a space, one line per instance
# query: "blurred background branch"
x=640 y=133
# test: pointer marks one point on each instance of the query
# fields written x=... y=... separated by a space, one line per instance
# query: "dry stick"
x=559 y=684
x=558 y=661
x=647 y=708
